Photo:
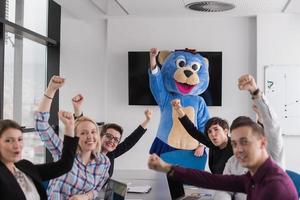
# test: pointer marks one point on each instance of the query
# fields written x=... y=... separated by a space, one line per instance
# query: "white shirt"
x=26 y=185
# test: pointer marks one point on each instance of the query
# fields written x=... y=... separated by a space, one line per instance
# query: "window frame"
x=52 y=42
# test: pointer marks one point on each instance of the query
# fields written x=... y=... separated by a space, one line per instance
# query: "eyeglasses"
x=112 y=138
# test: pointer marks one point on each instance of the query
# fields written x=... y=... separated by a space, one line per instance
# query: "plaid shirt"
x=82 y=178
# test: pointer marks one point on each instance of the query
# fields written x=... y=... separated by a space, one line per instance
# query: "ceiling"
x=93 y=9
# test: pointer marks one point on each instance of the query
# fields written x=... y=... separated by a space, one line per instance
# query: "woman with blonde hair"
x=111 y=134
x=90 y=169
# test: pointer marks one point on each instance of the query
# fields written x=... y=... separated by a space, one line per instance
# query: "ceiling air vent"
x=210 y=6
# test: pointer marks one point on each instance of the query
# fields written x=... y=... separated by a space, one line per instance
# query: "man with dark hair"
x=114 y=126
x=264 y=180
x=270 y=123
x=215 y=121
x=215 y=137
x=247 y=121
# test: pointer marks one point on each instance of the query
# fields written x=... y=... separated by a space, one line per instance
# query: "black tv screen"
x=139 y=90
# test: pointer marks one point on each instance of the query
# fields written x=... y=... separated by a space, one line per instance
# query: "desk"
x=157 y=181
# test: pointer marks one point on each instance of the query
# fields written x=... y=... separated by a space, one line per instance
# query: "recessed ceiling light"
x=210 y=6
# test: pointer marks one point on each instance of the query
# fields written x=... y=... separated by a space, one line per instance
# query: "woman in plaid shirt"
x=111 y=134
x=90 y=169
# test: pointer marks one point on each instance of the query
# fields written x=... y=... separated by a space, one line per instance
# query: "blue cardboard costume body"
x=183 y=75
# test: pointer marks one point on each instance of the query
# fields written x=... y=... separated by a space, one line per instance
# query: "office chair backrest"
x=296 y=179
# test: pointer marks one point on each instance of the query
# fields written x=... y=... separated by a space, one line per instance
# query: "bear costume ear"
x=206 y=61
x=161 y=57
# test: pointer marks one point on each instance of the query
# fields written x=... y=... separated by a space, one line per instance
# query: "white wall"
x=235 y=37
x=82 y=61
x=278 y=42
x=94 y=61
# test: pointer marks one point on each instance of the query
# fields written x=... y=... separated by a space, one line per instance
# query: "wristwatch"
x=76 y=117
x=255 y=93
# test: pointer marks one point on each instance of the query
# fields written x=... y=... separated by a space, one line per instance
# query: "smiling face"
x=11 y=146
x=88 y=133
x=185 y=73
x=110 y=140
x=248 y=147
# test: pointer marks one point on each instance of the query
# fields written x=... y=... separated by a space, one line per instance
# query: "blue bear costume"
x=183 y=75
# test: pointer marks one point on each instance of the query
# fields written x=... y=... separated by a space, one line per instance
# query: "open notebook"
x=139 y=189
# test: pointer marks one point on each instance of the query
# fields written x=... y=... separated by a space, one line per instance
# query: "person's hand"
x=77 y=101
x=157 y=164
x=177 y=107
x=247 y=82
x=153 y=53
x=68 y=120
x=148 y=114
x=199 y=151
x=55 y=83
x=176 y=104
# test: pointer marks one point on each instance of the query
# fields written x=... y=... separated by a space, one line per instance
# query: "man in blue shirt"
x=265 y=179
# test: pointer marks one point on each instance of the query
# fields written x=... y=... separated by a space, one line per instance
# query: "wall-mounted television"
x=138 y=81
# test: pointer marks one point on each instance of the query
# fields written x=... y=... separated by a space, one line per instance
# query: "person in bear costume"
x=183 y=75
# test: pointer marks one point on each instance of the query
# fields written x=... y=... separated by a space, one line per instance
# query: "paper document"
x=139 y=189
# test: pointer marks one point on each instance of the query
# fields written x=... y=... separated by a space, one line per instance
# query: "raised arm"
x=55 y=83
x=267 y=117
x=148 y=116
x=272 y=128
x=153 y=53
x=155 y=80
x=134 y=137
x=51 y=140
x=64 y=164
x=189 y=125
x=197 y=177
x=77 y=102
x=67 y=119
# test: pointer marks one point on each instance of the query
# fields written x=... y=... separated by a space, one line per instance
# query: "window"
x=33 y=149
x=24 y=78
x=31 y=14
x=29 y=43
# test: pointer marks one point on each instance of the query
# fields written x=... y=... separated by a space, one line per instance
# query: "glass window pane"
x=34 y=79
x=8 y=77
x=10 y=10
x=31 y=14
x=24 y=78
x=33 y=149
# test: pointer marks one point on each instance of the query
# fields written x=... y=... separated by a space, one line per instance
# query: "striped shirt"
x=82 y=178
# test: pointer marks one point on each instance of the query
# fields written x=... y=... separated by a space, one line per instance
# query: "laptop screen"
x=115 y=190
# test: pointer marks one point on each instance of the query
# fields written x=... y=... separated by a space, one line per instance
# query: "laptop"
x=115 y=190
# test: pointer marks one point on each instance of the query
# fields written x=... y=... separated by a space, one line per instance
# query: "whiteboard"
x=282 y=89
